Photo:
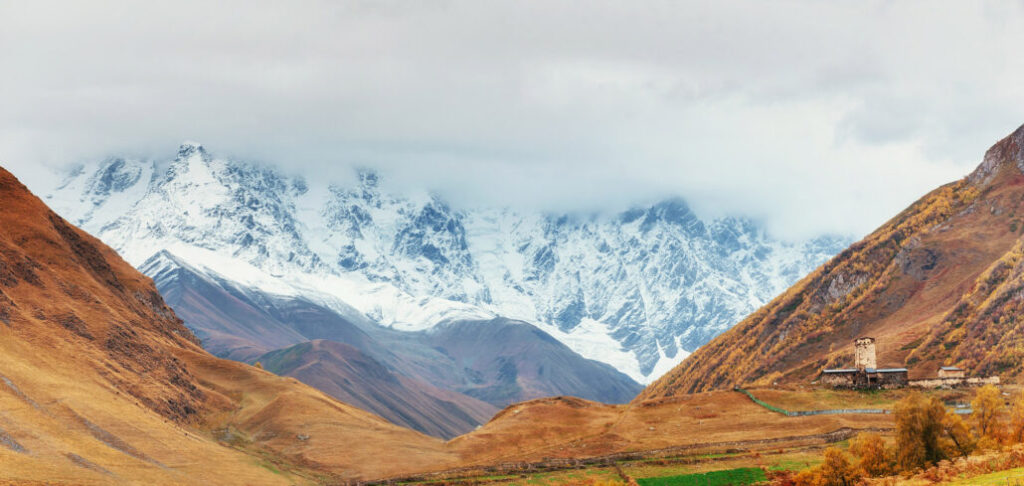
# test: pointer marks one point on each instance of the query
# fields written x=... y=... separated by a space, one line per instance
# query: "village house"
x=865 y=373
x=951 y=372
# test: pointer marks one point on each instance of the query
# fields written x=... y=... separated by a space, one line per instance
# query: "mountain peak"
x=188 y=149
x=8 y=182
x=1008 y=150
x=159 y=260
x=368 y=178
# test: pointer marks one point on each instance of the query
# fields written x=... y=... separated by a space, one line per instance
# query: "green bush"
x=728 y=477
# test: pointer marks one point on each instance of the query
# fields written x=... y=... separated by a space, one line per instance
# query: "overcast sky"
x=811 y=116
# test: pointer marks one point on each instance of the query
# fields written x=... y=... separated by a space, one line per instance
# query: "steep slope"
x=638 y=290
x=59 y=286
x=347 y=374
x=938 y=284
x=101 y=383
x=241 y=323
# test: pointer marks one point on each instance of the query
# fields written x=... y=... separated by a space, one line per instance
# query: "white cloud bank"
x=814 y=116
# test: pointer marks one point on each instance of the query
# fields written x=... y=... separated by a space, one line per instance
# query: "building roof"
x=841 y=370
x=950 y=368
x=890 y=370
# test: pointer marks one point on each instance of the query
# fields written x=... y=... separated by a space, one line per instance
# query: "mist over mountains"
x=511 y=242
x=638 y=290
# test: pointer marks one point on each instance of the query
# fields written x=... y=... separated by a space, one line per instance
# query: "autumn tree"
x=872 y=455
x=836 y=470
x=919 y=430
x=1016 y=432
x=808 y=477
x=961 y=442
x=988 y=412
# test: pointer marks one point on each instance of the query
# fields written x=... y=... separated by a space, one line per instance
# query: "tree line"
x=926 y=434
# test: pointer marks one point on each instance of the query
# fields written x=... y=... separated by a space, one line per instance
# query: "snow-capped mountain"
x=638 y=290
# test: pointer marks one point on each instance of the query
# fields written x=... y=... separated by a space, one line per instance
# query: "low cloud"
x=811 y=116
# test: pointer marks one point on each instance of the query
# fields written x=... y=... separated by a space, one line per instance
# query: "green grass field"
x=1010 y=477
x=588 y=476
x=825 y=399
x=729 y=477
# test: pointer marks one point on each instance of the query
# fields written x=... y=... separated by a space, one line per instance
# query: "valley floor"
x=546 y=440
x=735 y=441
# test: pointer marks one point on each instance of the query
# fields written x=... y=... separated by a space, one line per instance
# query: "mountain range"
x=456 y=312
x=638 y=290
x=101 y=382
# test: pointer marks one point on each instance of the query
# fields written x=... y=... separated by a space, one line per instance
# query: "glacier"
x=638 y=289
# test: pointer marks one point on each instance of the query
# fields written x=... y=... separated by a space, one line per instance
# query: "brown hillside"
x=344 y=372
x=547 y=430
x=938 y=284
x=101 y=383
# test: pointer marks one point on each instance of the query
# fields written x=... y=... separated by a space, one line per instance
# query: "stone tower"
x=864 y=353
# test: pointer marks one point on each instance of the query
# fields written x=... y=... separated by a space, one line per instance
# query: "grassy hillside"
x=101 y=383
x=937 y=284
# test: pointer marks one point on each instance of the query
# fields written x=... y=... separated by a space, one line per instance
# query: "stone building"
x=953 y=377
x=951 y=372
x=864 y=353
x=839 y=377
x=866 y=373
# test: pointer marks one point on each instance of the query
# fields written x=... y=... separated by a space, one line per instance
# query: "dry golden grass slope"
x=941 y=283
x=566 y=427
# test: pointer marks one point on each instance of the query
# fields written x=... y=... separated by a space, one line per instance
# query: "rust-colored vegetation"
x=941 y=283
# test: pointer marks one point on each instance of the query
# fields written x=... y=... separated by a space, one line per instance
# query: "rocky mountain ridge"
x=638 y=290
